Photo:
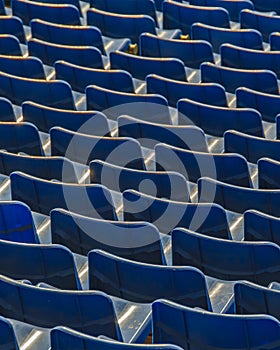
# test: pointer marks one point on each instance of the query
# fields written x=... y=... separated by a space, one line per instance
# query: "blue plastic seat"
x=139 y=67
x=229 y=168
x=123 y=151
x=20 y=137
x=8 y=337
x=261 y=227
x=16 y=223
x=239 y=57
x=9 y=45
x=75 y=3
x=209 y=219
x=232 y=6
x=153 y=108
x=161 y=184
x=174 y=90
x=251 y=147
x=42 y=196
x=67 y=339
x=50 y=53
x=144 y=283
x=268 y=105
x=191 y=52
x=61 y=13
x=7 y=113
x=182 y=16
x=215 y=120
x=238 y=199
x=197 y=329
x=13 y=26
x=26 y=67
x=263 y=22
x=2 y=8
x=216 y=36
x=80 y=77
x=274 y=40
x=74 y=36
x=231 y=78
x=257 y=262
x=48 y=168
x=149 y=134
x=267 y=6
x=44 y=117
x=52 y=93
x=51 y=264
x=268 y=173
x=138 y=241
x=250 y=298
x=89 y=312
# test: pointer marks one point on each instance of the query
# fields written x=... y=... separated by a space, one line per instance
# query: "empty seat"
x=139 y=67
x=160 y=184
x=198 y=329
x=215 y=120
x=26 y=67
x=274 y=41
x=191 y=52
x=174 y=90
x=236 y=198
x=47 y=168
x=268 y=173
x=182 y=16
x=44 y=117
x=239 y=57
x=266 y=6
x=53 y=93
x=51 y=264
x=2 y=8
x=80 y=77
x=261 y=227
x=83 y=148
x=50 y=53
x=7 y=113
x=216 y=36
x=153 y=108
x=231 y=78
x=144 y=283
x=257 y=262
x=149 y=134
x=20 y=137
x=61 y=13
x=138 y=241
x=263 y=22
x=9 y=45
x=75 y=3
x=89 y=312
x=209 y=219
x=13 y=26
x=42 y=196
x=8 y=337
x=251 y=147
x=229 y=168
x=267 y=104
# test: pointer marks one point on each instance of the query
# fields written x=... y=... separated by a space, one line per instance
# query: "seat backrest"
x=7 y=113
x=268 y=173
x=8 y=337
x=10 y=45
x=75 y=3
x=13 y=26
x=26 y=67
x=274 y=40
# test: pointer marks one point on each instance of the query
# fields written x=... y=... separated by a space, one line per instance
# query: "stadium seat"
x=139 y=241
x=2 y=8
x=123 y=151
x=267 y=6
x=139 y=67
x=216 y=36
x=144 y=283
x=53 y=93
x=26 y=67
x=44 y=117
x=12 y=25
x=191 y=52
x=268 y=173
x=229 y=168
x=50 y=53
x=80 y=77
x=174 y=90
x=182 y=16
x=152 y=108
x=198 y=329
x=251 y=147
x=8 y=337
x=9 y=45
x=7 y=113
x=149 y=134
x=257 y=262
x=216 y=120
x=56 y=13
x=161 y=184
x=51 y=264
x=75 y=3
x=231 y=78
x=274 y=40
x=42 y=196
x=238 y=199
x=209 y=219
